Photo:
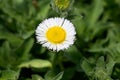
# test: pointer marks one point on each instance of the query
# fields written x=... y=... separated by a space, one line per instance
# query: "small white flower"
x=56 y=33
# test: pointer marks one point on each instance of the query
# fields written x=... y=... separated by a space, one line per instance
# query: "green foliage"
x=36 y=63
x=9 y=75
x=95 y=54
x=51 y=76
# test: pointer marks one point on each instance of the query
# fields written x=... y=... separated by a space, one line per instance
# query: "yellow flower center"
x=56 y=34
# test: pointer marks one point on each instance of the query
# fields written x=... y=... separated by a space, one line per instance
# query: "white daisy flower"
x=56 y=33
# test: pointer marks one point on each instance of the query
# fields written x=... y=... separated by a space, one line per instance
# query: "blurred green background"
x=94 y=56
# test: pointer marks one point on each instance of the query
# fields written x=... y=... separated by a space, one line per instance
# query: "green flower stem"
x=58 y=60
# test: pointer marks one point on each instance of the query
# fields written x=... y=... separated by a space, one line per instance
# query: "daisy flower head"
x=56 y=33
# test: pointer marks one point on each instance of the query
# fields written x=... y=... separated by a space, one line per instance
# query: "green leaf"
x=87 y=67
x=28 y=34
x=51 y=75
x=9 y=75
x=101 y=74
x=13 y=39
x=110 y=65
x=95 y=12
x=80 y=25
x=2 y=78
x=43 y=12
x=36 y=63
x=69 y=73
x=9 y=10
x=58 y=76
x=24 y=49
x=37 y=77
x=6 y=55
x=27 y=47
x=100 y=62
x=72 y=54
